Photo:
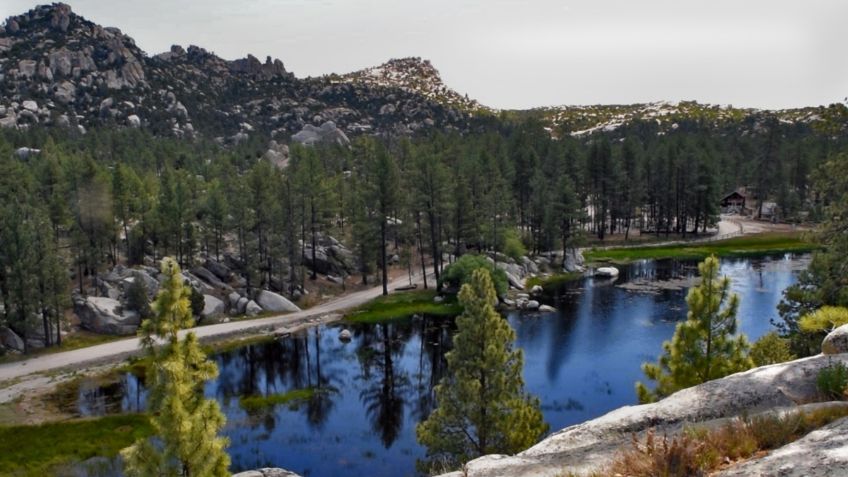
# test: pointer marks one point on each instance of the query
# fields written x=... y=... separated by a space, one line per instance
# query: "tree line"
x=85 y=203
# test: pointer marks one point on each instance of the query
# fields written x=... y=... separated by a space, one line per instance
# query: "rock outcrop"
x=327 y=133
x=10 y=341
x=59 y=69
x=106 y=315
x=212 y=307
x=836 y=342
x=270 y=301
x=588 y=446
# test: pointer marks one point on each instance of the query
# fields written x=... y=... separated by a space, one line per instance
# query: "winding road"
x=117 y=350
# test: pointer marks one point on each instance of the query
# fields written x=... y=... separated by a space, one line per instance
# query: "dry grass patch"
x=699 y=451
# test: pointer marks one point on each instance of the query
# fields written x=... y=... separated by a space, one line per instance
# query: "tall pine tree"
x=186 y=424
x=704 y=347
x=482 y=405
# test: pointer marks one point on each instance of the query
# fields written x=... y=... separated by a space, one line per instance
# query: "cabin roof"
x=734 y=194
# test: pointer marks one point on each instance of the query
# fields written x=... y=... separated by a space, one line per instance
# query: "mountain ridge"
x=59 y=69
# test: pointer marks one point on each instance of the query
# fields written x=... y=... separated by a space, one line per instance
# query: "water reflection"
x=581 y=361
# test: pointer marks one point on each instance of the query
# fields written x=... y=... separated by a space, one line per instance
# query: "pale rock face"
x=10 y=340
x=65 y=92
x=836 y=342
x=327 y=133
x=134 y=121
x=271 y=301
x=241 y=305
x=26 y=68
x=277 y=154
x=25 y=153
x=574 y=261
x=30 y=105
x=212 y=307
x=252 y=308
x=105 y=315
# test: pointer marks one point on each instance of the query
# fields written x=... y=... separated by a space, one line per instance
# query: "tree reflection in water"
x=386 y=392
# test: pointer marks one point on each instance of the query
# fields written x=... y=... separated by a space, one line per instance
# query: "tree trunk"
x=420 y=247
x=383 y=263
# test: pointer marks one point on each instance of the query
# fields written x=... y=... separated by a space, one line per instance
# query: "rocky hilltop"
x=413 y=75
x=663 y=117
x=59 y=69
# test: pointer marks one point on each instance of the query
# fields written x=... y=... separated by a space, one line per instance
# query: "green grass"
x=553 y=280
x=37 y=450
x=291 y=398
x=403 y=305
x=754 y=245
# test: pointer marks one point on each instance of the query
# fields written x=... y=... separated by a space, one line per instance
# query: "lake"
x=581 y=361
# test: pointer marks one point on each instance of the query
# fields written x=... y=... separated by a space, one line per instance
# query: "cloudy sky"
x=519 y=54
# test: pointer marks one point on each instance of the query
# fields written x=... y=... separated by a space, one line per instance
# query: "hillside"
x=57 y=68
x=665 y=116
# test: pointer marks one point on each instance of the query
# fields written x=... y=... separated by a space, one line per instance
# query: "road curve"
x=118 y=349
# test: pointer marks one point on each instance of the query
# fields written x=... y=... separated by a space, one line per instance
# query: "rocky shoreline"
x=779 y=388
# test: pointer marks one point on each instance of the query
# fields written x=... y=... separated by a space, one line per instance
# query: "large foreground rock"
x=588 y=446
x=821 y=453
x=105 y=315
x=267 y=472
x=270 y=301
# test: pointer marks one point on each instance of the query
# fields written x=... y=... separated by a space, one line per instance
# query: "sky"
x=514 y=54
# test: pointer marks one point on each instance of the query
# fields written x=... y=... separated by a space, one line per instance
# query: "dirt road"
x=117 y=350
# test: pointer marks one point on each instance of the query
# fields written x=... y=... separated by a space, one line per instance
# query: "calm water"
x=581 y=361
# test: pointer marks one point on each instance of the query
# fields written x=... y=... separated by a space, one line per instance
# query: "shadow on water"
x=581 y=361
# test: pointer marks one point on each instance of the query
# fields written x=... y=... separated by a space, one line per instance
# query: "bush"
x=459 y=273
x=702 y=450
x=771 y=349
x=832 y=381
x=512 y=245
x=137 y=298
x=197 y=301
x=824 y=319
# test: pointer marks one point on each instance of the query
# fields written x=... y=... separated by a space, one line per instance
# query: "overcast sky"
x=520 y=54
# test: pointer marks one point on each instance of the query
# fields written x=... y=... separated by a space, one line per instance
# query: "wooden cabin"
x=735 y=201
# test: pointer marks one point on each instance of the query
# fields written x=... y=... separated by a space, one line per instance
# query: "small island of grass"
x=753 y=245
x=403 y=305
x=291 y=398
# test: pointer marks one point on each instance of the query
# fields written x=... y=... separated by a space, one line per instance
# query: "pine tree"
x=482 y=405
x=186 y=424
x=704 y=346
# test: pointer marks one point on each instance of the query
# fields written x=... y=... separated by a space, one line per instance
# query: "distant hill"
x=59 y=69
x=665 y=116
